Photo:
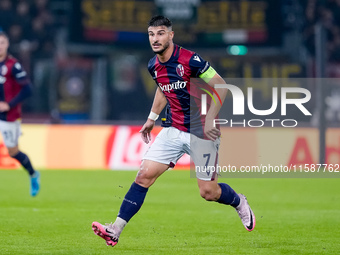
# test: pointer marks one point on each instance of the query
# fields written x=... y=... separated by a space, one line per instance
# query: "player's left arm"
x=212 y=78
x=21 y=78
x=202 y=69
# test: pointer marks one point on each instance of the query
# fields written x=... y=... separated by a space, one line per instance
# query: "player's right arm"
x=21 y=78
x=158 y=105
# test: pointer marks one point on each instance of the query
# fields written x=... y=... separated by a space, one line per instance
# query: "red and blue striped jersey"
x=13 y=79
x=183 y=96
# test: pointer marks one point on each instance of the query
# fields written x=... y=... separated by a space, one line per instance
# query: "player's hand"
x=146 y=130
x=4 y=106
x=210 y=131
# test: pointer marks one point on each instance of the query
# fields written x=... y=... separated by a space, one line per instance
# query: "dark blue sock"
x=25 y=162
x=228 y=196
x=132 y=202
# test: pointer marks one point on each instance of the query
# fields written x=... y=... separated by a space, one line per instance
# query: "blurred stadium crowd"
x=32 y=24
x=328 y=12
x=39 y=32
x=31 y=27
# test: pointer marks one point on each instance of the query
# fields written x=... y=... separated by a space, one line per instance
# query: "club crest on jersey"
x=4 y=70
x=180 y=70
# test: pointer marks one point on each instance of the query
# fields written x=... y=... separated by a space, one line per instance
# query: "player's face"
x=3 y=46
x=160 y=38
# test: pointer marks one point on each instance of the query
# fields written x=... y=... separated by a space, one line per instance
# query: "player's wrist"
x=153 y=116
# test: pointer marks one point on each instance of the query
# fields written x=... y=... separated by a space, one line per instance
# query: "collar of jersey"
x=171 y=58
x=3 y=62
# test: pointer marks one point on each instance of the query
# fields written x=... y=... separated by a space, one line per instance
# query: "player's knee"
x=13 y=151
x=208 y=195
x=144 y=178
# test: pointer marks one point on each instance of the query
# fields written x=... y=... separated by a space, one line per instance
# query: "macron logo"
x=197 y=58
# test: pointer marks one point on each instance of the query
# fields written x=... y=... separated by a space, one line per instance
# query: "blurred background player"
x=185 y=130
x=14 y=88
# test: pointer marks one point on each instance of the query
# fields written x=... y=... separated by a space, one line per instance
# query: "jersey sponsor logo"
x=197 y=58
x=4 y=70
x=180 y=70
x=2 y=79
x=173 y=86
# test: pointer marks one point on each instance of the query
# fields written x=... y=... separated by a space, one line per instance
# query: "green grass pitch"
x=293 y=216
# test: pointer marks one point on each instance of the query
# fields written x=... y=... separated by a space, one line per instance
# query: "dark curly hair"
x=160 y=20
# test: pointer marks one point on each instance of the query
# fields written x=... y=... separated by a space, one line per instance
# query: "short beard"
x=162 y=50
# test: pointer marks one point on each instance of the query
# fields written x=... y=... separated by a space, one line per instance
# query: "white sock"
x=119 y=225
x=238 y=207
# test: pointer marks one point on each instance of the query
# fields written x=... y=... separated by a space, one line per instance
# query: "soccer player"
x=171 y=68
x=14 y=88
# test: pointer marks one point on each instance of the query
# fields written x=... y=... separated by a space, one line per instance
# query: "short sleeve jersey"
x=173 y=78
x=12 y=78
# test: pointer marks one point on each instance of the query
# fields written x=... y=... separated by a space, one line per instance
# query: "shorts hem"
x=205 y=179
x=158 y=161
